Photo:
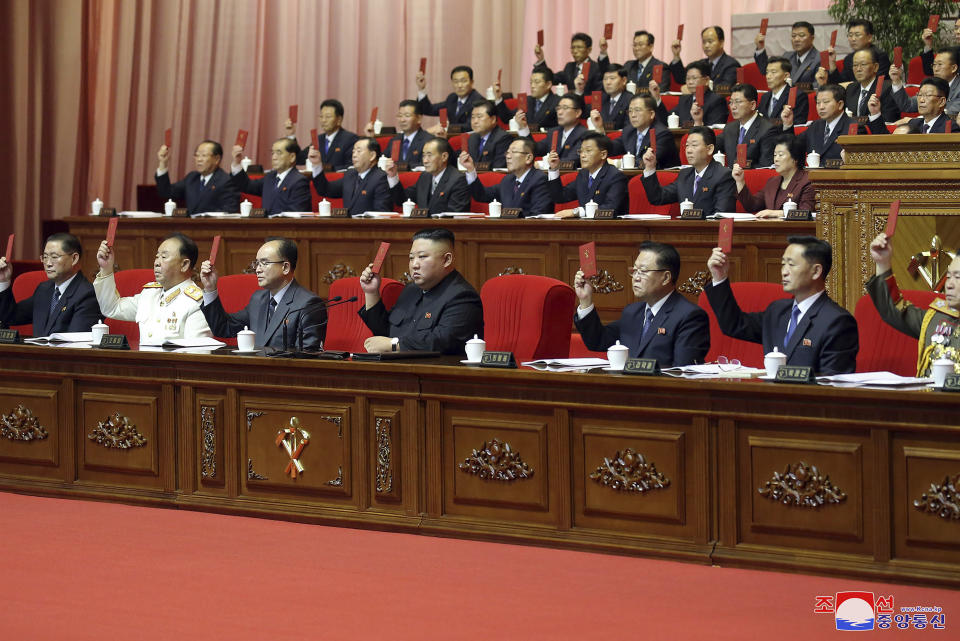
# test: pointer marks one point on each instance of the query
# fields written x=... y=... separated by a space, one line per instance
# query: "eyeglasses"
x=633 y=271
x=929 y=95
x=263 y=262
x=634 y=112
x=727 y=364
x=52 y=258
x=861 y=65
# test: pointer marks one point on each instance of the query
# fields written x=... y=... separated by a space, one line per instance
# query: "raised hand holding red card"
x=443 y=117
x=314 y=138
x=465 y=142
x=214 y=249
x=168 y=138
x=112 y=231
x=763 y=26
x=585 y=70
x=833 y=38
x=892 y=219
x=596 y=100
x=423 y=65
x=658 y=73
x=701 y=92
x=540 y=37
x=825 y=60
x=652 y=135
x=241 y=138
x=588 y=259
x=381 y=255
x=553 y=141
x=373 y=114
x=792 y=98
x=898 y=56
x=680 y=32
x=853 y=129
x=725 y=237
x=608 y=31
x=522 y=101
x=9 y=254
x=934 y=23
x=880 y=80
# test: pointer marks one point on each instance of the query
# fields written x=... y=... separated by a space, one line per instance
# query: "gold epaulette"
x=193 y=292
x=941 y=306
x=152 y=285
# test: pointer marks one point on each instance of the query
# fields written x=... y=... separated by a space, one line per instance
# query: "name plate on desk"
x=503 y=360
x=799 y=214
x=566 y=165
x=722 y=89
x=606 y=214
x=339 y=212
x=832 y=163
x=258 y=212
x=454 y=129
x=510 y=212
x=403 y=166
x=114 y=341
x=482 y=166
x=420 y=212
x=180 y=212
x=802 y=374
x=951 y=383
x=641 y=367
x=9 y=336
x=692 y=214
x=108 y=212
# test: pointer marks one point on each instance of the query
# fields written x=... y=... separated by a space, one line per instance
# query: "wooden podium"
x=923 y=171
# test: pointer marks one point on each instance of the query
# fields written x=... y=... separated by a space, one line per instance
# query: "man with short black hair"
x=166 y=309
x=65 y=302
x=440 y=188
x=833 y=121
x=662 y=324
x=459 y=104
x=207 y=188
x=809 y=328
x=638 y=131
x=945 y=67
x=540 y=109
x=523 y=188
x=581 y=45
x=616 y=98
x=721 y=66
x=278 y=313
x=597 y=181
x=640 y=69
x=748 y=127
x=410 y=136
x=777 y=97
x=438 y=311
x=862 y=92
x=364 y=187
x=931 y=99
x=570 y=131
x=283 y=188
x=712 y=112
x=335 y=144
x=860 y=37
x=488 y=143
x=804 y=59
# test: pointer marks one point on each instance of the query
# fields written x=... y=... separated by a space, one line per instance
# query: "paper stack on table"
x=874 y=379
x=567 y=364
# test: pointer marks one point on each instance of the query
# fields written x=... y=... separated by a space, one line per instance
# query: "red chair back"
x=812 y=108
x=915 y=73
x=566 y=179
x=488 y=178
x=530 y=316
x=23 y=287
x=314 y=196
x=129 y=282
x=638 y=196
x=683 y=149
x=752 y=76
x=755 y=180
x=235 y=291
x=346 y=331
x=883 y=348
x=752 y=297
x=670 y=102
x=579 y=350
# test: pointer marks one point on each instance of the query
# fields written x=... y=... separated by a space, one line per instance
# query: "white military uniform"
x=161 y=314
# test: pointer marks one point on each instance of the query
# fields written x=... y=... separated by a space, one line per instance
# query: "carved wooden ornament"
x=496 y=462
x=337 y=272
x=942 y=500
x=117 y=432
x=803 y=486
x=22 y=425
x=293 y=439
x=629 y=472
x=605 y=283
x=384 y=455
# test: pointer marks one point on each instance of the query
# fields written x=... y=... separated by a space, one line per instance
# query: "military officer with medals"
x=168 y=308
x=937 y=328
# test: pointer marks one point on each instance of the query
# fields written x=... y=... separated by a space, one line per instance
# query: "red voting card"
x=553 y=140
x=608 y=30
x=933 y=23
x=168 y=138
x=241 y=138
x=395 y=149
x=499 y=75
x=465 y=142
x=880 y=80
x=112 y=231
x=521 y=101
x=701 y=90
x=742 y=155
x=443 y=117
x=898 y=56
x=658 y=73
x=214 y=249
x=294 y=109
x=540 y=37
x=792 y=98
x=653 y=141
x=763 y=26
x=892 y=218
x=9 y=254
x=853 y=129
x=373 y=114
x=739 y=75
x=825 y=60
x=381 y=255
x=585 y=70
x=833 y=38
x=314 y=138
x=596 y=100
x=680 y=32
x=725 y=237
x=588 y=259
x=423 y=65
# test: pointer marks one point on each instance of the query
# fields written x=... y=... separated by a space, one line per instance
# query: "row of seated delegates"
x=713 y=111
x=333 y=141
x=821 y=135
x=721 y=66
x=936 y=327
x=207 y=188
x=438 y=311
x=597 y=180
x=804 y=59
x=540 y=109
x=65 y=302
x=581 y=46
x=459 y=104
x=570 y=132
x=281 y=302
x=861 y=93
x=364 y=186
x=283 y=188
x=638 y=131
x=167 y=308
x=524 y=187
x=791 y=182
x=440 y=188
x=928 y=57
x=860 y=37
x=410 y=135
x=945 y=67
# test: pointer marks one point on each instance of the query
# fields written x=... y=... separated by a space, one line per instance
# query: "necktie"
x=433 y=185
x=326 y=145
x=862 y=106
x=647 y=323
x=279 y=182
x=536 y=106
x=773 y=106
x=404 y=148
x=271 y=305
x=743 y=134
x=613 y=106
x=696 y=186
x=640 y=139
x=792 y=326
x=926 y=128
x=203 y=182
x=590 y=183
x=639 y=73
x=356 y=191
x=55 y=301
x=826 y=135
x=516 y=192
x=483 y=141
x=459 y=107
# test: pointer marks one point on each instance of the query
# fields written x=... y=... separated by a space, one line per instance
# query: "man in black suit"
x=523 y=187
x=707 y=184
x=860 y=37
x=459 y=104
x=616 y=99
x=809 y=328
x=865 y=85
x=803 y=60
x=931 y=101
x=283 y=188
x=440 y=188
x=821 y=135
x=334 y=142
x=636 y=133
x=570 y=131
x=928 y=55
x=439 y=311
x=364 y=187
x=488 y=143
x=410 y=136
x=945 y=66
x=712 y=112
x=65 y=302
x=640 y=70
x=541 y=107
x=662 y=325
x=279 y=312
x=580 y=46
x=747 y=127
x=722 y=67
x=773 y=101
x=209 y=188
x=597 y=180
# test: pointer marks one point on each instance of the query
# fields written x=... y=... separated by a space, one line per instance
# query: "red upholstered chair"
x=129 y=282
x=683 y=149
x=840 y=64
x=915 y=73
x=812 y=104
x=669 y=102
x=566 y=179
x=638 y=196
x=257 y=201
x=579 y=350
x=314 y=196
x=528 y=315
x=752 y=76
x=752 y=297
x=883 y=348
x=488 y=178
x=346 y=331
x=755 y=180
x=23 y=287
x=235 y=291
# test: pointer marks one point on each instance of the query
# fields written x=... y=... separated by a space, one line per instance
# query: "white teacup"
x=617 y=355
x=168 y=207
x=246 y=340
x=813 y=160
x=940 y=368
x=629 y=161
x=99 y=330
x=494 y=208
x=774 y=361
x=788 y=207
x=95 y=207
x=673 y=121
x=475 y=348
x=632 y=87
x=721 y=158
x=408 y=208
x=590 y=209
x=323 y=207
x=685 y=205
x=382 y=162
x=245 y=208
x=246 y=162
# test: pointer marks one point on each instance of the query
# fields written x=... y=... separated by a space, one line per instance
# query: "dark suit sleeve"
x=615 y=194
x=381 y=195
x=223 y=324
x=377 y=318
x=841 y=343
x=761 y=60
x=878 y=126
x=540 y=201
x=728 y=76
x=752 y=202
x=229 y=196
x=767 y=144
x=430 y=109
x=807 y=198
x=14 y=313
x=313 y=323
x=716 y=112
x=597 y=337
x=678 y=70
x=324 y=187
x=725 y=198
x=458 y=198
x=300 y=195
x=166 y=190
x=562 y=193
x=692 y=338
x=500 y=151
x=481 y=192
x=731 y=319
x=658 y=195
x=86 y=312
x=888 y=106
x=244 y=184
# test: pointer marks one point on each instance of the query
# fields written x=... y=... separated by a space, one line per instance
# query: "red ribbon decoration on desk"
x=287 y=438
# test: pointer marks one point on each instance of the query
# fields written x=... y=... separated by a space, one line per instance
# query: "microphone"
x=333 y=302
x=324 y=304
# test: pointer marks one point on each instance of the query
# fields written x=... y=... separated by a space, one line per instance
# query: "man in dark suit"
x=865 y=85
x=439 y=311
x=411 y=137
x=283 y=188
x=597 y=180
x=636 y=133
x=722 y=67
x=803 y=60
x=541 y=107
x=279 y=312
x=931 y=100
x=662 y=325
x=580 y=46
x=209 y=188
x=773 y=101
x=570 y=131
x=334 y=142
x=65 y=302
x=640 y=69
x=747 y=127
x=440 y=187
x=707 y=184
x=524 y=187
x=809 y=328
x=616 y=99
x=821 y=135
x=945 y=67
x=488 y=143
x=459 y=104
x=364 y=187
x=860 y=37
x=712 y=112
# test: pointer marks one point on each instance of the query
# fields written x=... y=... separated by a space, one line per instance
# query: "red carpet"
x=75 y=570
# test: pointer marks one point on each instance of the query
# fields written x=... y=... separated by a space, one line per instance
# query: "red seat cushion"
x=566 y=179
x=488 y=178
x=23 y=287
x=883 y=348
x=752 y=297
x=638 y=196
x=346 y=331
x=528 y=315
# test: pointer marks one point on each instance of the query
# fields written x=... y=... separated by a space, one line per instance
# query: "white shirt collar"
x=594 y=174
x=807 y=303
x=364 y=174
x=283 y=176
x=410 y=137
x=523 y=177
x=785 y=87
x=931 y=122
x=63 y=286
x=279 y=295
x=436 y=179
x=645 y=61
x=655 y=308
x=330 y=137
x=749 y=123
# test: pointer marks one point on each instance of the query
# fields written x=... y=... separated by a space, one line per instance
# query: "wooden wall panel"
x=30 y=433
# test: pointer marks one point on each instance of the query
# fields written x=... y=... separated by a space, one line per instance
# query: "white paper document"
x=206 y=342
x=713 y=370
x=646 y=216
x=217 y=214
x=141 y=214
x=873 y=379
x=567 y=364
x=736 y=215
x=62 y=337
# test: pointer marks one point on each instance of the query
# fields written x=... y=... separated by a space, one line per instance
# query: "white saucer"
x=245 y=351
x=470 y=362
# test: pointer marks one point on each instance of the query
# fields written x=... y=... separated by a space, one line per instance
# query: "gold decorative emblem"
x=695 y=284
x=932 y=265
x=942 y=500
x=511 y=269
x=337 y=272
x=629 y=472
x=605 y=283
x=496 y=462
x=22 y=425
x=803 y=486
x=117 y=432
x=293 y=439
